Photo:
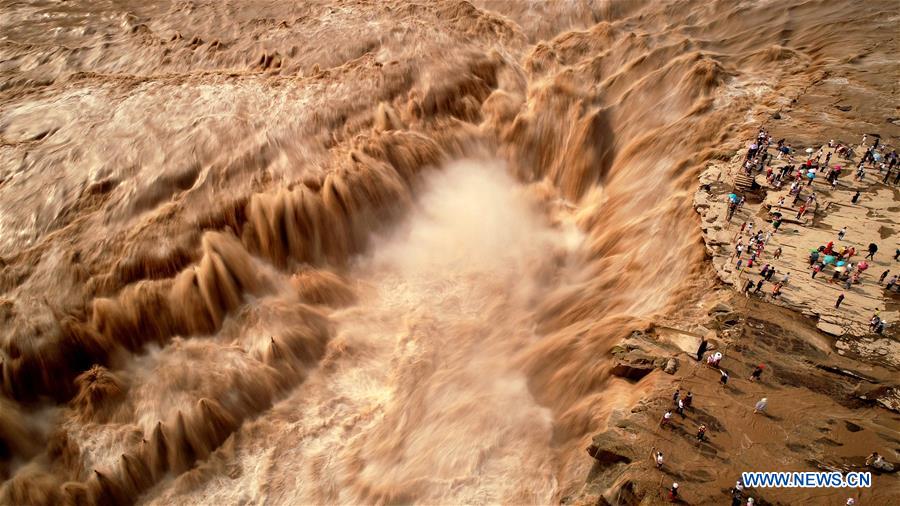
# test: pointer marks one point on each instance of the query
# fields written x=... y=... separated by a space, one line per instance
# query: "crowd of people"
x=682 y=401
x=750 y=245
x=753 y=245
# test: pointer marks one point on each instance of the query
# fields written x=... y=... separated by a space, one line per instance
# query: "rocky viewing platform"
x=871 y=219
x=827 y=376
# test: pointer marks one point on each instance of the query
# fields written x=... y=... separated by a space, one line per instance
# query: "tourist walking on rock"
x=873 y=323
x=723 y=378
x=680 y=408
x=835 y=276
x=775 y=255
x=840 y=299
x=737 y=494
x=841 y=233
x=776 y=290
x=702 y=349
x=873 y=248
x=757 y=373
x=658 y=457
x=673 y=493
x=883 y=275
x=701 y=432
x=688 y=399
x=855 y=198
x=761 y=405
x=759 y=285
x=666 y=419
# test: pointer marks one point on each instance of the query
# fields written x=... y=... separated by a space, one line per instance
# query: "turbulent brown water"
x=367 y=252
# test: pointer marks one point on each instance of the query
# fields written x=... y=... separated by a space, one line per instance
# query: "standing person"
x=702 y=349
x=761 y=405
x=840 y=299
x=748 y=287
x=701 y=432
x=883 y=275
x=676 y=395
x=801 y=211
x=873 y=248
x=757 y=373
x=776 y=290
x=775 y=255
x=835 y=276
x=666 y=419
x=680 y=408
x=770 y=274
x=723 y=378
x=737 y=495
x=786 y=278
x=759 y=285
x=855 y=198
x=841 y=233
x=673 y=493
x=816 y=268
x=688 y=399
x=813 y=257
x=658 y=457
